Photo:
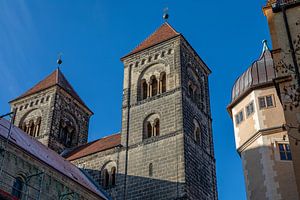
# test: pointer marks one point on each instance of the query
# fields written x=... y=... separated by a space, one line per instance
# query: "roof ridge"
x=161 y=34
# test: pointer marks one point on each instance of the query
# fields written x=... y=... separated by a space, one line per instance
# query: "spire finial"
x=59 y=60
x=166 y=14
x=265 y=45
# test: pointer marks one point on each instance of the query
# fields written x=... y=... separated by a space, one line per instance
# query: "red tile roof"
x=163 y=33
x=102 y=144
x=55 y=78
x=36 y=149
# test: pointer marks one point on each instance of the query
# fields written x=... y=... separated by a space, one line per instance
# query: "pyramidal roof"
x=55 y=78
x=163 y=33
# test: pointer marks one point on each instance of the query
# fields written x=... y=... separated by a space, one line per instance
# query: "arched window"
x=31 y=128
x=197 y=132
x=149 y=130
x=66 y=134
x=18 y=187
x=37 y=126
x=197 y=135
x=163 y=80
x=150 y=169
x=144 y=89
x=156 y=127
x=105 y=178
x=113 y=176
x=153 y=86
x=108 y=175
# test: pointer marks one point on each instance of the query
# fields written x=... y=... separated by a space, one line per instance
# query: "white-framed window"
x=266 y=101
x=284 y=151
x=249 y=109
x=239 y=117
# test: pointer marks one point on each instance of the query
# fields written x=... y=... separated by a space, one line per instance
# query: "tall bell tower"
x=53 y=113
x=166 y=121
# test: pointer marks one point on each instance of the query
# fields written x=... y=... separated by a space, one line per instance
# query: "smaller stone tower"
x=52 y=112
x=260 y=138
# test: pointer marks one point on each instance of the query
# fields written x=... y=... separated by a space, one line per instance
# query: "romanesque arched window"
x=31 y=128
x=113 y=176
x=163 y=84
x=108 y=175
x=68 y=130
x=197 y=131
x=105 y=175
x=31 y=122
x=149 y=129
x=66 y=133
x=151 y=126
x=154 y=85
x=150 y=169
x=144 y=89
x=18 y=185
x=156 y=127
x=37 y=127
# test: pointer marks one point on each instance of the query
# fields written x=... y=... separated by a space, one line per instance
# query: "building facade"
x=165 y=148
x=284 y=24
x=261 y=139
x=29 y=170
x=265 y=109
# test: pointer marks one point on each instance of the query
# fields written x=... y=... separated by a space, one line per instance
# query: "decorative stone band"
x=261 y=132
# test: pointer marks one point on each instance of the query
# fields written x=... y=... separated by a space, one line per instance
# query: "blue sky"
x=94 y=34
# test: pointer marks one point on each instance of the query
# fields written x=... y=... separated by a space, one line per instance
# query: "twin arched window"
x=108 y=177
x=32 y=127
x=66 y=133
x=151 y=126
x=196 y=93
x=154 y=86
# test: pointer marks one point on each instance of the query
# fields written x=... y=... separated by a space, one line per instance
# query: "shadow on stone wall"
x=145 y=188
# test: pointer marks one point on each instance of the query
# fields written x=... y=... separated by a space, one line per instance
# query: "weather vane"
x=166 y=14
x=59 y=61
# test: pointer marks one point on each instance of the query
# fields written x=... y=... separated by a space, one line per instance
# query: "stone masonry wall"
x=199 y=156
x=54 y=184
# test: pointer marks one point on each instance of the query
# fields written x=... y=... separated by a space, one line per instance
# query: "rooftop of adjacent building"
x=36 y=149
x=260 y=73
x=102 y=144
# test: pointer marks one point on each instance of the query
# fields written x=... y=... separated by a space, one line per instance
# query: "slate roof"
x=261 y=72
x=42 y=153
x=102 y=144
x=163 y=33
x=55 y=78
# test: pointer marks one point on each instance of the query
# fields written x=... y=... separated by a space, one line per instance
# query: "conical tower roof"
x=55 y=78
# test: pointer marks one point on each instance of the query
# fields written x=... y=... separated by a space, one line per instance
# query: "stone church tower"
x=52 y=112
x=165 y=148
x=166 y=120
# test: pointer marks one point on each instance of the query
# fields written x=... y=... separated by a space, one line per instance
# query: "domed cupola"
x=260 y=73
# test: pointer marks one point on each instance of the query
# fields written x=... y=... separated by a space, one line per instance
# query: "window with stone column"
x=163 y=82
x=151 y=126
x=31 y=122
x=68 y=130
x=108 y=175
